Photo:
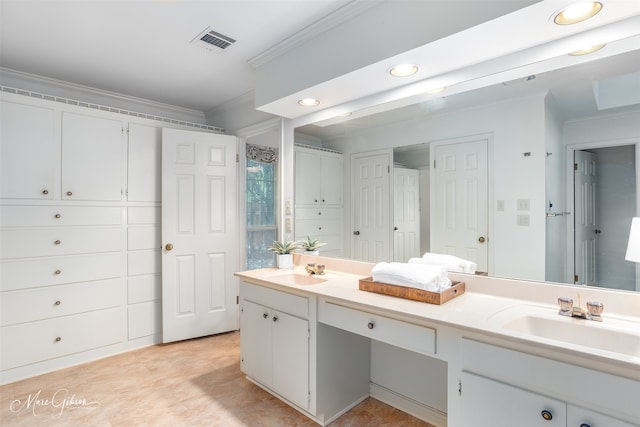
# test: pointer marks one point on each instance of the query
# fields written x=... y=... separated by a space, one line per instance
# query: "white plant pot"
x=316 y=252
x=285 y=260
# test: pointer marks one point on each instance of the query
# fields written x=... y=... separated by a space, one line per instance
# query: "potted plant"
x=284 y=252
x=311 y=246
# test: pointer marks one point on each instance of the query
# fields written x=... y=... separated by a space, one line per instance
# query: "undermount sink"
x=293 y=278
x=612 y=335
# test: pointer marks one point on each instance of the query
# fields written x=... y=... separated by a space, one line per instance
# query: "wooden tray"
x=456 y=289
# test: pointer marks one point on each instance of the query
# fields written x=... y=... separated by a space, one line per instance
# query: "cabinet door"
x=331 y=179
x=91 y=158
x=144 y=165
x=307 y=177
x=291 y=358
x=29 y=152
x=582 y=417
x=255 y=342
x=487 y=402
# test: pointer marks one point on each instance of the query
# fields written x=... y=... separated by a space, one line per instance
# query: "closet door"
x=29 y=152
x=91 y=158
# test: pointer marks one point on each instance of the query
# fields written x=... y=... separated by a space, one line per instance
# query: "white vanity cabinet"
x=274 y=342
x=503 y=387
x=29 y=151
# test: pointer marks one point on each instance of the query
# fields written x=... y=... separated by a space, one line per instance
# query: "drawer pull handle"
x=370 y=325
x=57 y=302
x=547 y=415
x=58 y=339
x=45 y=192
x=265 y=315
x=584 y=425
x=57 y=272
x=275 y=318
x=69 y=193
x=57 y=242
x=57 y=216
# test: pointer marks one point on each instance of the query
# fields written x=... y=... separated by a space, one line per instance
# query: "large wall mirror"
x=562 y=154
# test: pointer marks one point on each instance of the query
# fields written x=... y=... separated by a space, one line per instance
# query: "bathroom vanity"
x=498 y=355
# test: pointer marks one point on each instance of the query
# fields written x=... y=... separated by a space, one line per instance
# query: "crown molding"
x=34 y=82
x=335 y=18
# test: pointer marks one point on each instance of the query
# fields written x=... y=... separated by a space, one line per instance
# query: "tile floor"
x=191 y=383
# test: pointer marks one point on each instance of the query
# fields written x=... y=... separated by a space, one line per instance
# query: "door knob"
x=168 y=246
x=395 y=228
x=356 y=233
x=481 y=239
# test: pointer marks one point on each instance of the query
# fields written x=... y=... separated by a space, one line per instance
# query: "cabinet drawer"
x=62 y=300
x=26 y=216
x=283 y=301
x=402 y=334
x=33 y=342
x=23 y=274
x=318 y=227
x=63 y=241
x=318 y=213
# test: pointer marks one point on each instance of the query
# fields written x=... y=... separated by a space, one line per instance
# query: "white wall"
x=514 y=127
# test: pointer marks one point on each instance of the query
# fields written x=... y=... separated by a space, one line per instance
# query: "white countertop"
x=483 y=309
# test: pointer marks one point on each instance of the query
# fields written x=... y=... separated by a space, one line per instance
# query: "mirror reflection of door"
x=604 y=204
x=406 y=214
x=459 y=208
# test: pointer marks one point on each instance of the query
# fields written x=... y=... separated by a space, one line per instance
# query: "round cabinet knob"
x=57 y=272
x=265 y=315
x=69 y=193
x=45 y=192
x=370 y=325
x=57 y=242
x=57 y=303
x=395 y=228
x=547 y=415
x=356 y=233
x=584 y=425
x=169 y=246
x=57 y=216
x=275 y=318
x=481 y=239
x=319 y=213
x=58 y=339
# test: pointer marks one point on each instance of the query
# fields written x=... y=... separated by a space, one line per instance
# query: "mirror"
x=536 y=128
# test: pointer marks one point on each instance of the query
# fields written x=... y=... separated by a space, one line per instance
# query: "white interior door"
x=371 y=206
x=406 y=214
x=460 y=201
x=199 y=234
x=586 y=231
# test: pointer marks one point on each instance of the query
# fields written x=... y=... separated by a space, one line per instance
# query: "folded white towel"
x=421 y=276
x=452 y=263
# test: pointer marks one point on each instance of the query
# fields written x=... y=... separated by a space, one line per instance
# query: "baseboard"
x=410 y=406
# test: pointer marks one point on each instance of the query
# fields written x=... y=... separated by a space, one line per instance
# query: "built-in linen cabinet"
x=318 y=197
x=29 y=152
x=144 y=163
x=502 y=388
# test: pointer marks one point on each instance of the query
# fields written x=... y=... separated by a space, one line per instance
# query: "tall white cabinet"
x=79 y=234
x=318 y=197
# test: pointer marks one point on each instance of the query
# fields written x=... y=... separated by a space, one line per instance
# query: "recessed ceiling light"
x=403 y=70
x=309 y=102
x=577 y=12
x=588 y=50
x=437 y=89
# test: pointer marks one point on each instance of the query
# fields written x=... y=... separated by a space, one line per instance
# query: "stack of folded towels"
x=423 y=276
x=452 y=263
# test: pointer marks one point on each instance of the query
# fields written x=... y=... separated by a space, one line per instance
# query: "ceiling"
x=142 y=48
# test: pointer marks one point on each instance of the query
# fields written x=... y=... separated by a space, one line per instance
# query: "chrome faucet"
x=593 y=312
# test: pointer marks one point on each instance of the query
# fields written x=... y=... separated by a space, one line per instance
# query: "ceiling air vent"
x=212 y=40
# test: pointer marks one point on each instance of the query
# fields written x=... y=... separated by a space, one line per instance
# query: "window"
x=261 y=213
